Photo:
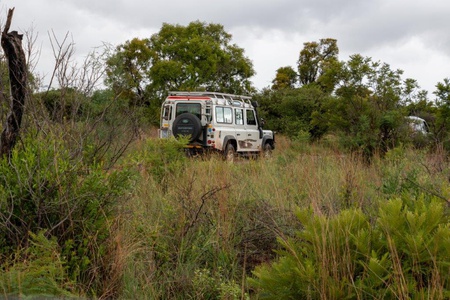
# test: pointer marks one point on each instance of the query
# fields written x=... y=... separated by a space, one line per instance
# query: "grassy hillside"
x=202 y=228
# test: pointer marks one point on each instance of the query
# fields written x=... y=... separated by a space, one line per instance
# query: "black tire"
x=267 y=150
x=230 y=153
x=187 y=125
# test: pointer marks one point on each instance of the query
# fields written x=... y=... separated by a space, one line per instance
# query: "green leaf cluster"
x=401 y=253
x=293 y=111
x=215 y=286
x=63 y=104
x=362 y=102
x=315 y=60
x=285 y=78
x=442 y=125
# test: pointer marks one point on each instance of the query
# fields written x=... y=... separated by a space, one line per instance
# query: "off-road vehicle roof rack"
x=230 y=97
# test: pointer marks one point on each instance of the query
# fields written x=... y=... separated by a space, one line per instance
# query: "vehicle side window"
x=193 y=108
x=167 y=112
x=251 y=119
x=239 y=116
x=224 y=115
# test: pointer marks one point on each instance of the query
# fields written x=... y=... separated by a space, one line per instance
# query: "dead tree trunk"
x=12 y=46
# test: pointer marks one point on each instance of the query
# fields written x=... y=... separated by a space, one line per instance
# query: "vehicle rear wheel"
x=230 y=152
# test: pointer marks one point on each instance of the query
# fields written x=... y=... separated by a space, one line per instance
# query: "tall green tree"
x=197 y=56
x=296 y=111
x=285 y=78
x=315 y=58
x=127 y=71
x=367 y=109
x=442 y=125
x=192 y=57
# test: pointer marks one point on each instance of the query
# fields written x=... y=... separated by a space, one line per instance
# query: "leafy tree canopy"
x=315 y=58
x=192 y=57
x=285 y=78
x=127 y=70
x=443 y=92
x=367 y=109
x=442 y=124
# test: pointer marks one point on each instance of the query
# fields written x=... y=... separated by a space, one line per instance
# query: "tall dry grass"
x=205 y=229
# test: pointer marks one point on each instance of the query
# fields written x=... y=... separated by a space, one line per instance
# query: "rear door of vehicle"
x=251 y=135
x=224 y=123
x=240 y=129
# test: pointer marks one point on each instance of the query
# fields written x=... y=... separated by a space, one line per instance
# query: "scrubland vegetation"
x=311 y=222
x=352 y=204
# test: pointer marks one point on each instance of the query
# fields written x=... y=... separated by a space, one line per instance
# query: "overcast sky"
x=411 y=35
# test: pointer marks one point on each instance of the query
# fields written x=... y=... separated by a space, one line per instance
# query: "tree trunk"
x=12 y=46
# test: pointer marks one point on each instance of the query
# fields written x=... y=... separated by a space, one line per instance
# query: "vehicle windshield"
x=192 y=108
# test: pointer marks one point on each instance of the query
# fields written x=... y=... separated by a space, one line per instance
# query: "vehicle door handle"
x=249 y=134
x=238 y=134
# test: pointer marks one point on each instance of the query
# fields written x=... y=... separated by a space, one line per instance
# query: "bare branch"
x=8 y=21
x=62 y=54
x=33 y=56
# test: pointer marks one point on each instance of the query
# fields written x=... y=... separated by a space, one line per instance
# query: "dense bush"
x=400 y=253
x=291 y=111
x=45 y=188
x=63 y=104
x=36 y=270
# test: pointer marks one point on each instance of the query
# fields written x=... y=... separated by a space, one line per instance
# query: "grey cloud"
x=359 y=26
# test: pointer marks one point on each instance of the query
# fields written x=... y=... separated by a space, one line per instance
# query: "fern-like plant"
x=403 y=254
x=37 y=271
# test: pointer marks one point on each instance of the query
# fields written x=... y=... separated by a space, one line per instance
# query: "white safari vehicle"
x=221 y=122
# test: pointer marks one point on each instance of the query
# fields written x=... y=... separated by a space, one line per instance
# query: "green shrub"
x=43 y=187
x=63 y=104
x=35 y=271
x=403 y=254
x=215 y=286
x=163 y=158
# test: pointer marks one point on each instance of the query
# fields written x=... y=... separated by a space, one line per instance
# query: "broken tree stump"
x=12 y=47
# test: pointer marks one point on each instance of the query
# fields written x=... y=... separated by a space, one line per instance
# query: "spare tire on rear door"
x=187 y=125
